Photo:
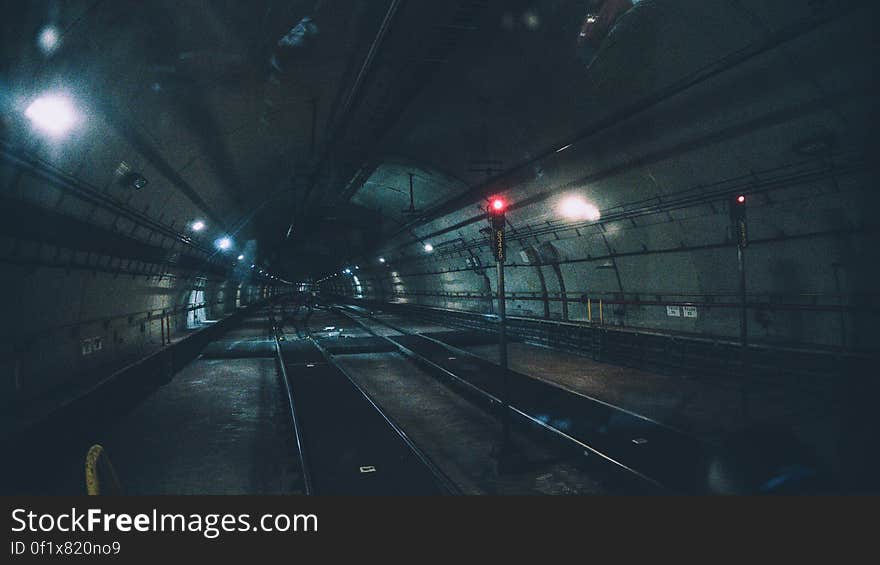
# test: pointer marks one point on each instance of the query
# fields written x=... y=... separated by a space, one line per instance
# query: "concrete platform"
x=714 y=409
x=238 y=348
x=711 y=408
x=220 y=427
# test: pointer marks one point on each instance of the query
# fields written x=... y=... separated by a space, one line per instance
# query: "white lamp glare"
x=224 y=243
x=198 y=225
x=53 y=114
x=576 y=208
x=429 y=248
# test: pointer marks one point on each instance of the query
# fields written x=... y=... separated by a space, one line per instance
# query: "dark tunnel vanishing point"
x=266 y=229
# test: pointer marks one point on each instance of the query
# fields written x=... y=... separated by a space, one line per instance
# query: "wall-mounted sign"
x=674 y=311
x=92 y=345
x=689 y=311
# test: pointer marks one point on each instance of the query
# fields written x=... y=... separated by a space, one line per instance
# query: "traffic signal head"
x=738 y=207
x=497 y=207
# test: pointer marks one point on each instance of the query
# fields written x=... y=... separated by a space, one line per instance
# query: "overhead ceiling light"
x=198 y=225
x=49 y=39
x=381 y=259
x=429 y=248
x=576 y=208
x=224 y=243
x=241 y=257
x=52 y=113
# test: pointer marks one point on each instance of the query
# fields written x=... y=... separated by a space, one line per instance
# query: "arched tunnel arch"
x=689 y=206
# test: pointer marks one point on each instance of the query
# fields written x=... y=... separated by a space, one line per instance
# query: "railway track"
x=659 y=457
x=347 y=444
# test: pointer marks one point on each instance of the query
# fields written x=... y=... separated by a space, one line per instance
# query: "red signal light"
x=741 y=199
x=497 y=205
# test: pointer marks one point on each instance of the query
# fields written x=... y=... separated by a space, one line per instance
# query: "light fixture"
x=381 y=259
x=48 y=40
x=198 y=225
x=241 y=257
x=576 y=208
x=134 y=180
x=52 y=113
x=429 y=248
x=224 y=243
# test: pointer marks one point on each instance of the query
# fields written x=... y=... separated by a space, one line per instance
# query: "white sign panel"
x=674 y=311
x=689 y=311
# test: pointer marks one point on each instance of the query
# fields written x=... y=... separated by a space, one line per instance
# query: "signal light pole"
x=738 y=220
x=741 y=235
x=496 y=210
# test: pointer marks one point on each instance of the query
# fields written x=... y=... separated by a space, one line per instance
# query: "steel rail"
x=441 y=477
x=297 y=428
x=493 y=400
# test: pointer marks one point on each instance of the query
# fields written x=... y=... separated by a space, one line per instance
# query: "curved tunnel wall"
x=805 y=281
x=783 y=128
x=100 y=276
x=124 y=321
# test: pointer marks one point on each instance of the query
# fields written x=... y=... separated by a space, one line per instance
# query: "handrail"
x=583 y=298
x=36 y=414
x=712 y=339
x=148 y=315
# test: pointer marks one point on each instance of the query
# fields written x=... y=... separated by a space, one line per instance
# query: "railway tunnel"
x=461 y=247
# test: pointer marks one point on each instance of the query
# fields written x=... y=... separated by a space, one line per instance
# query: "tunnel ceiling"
x=300 y=123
